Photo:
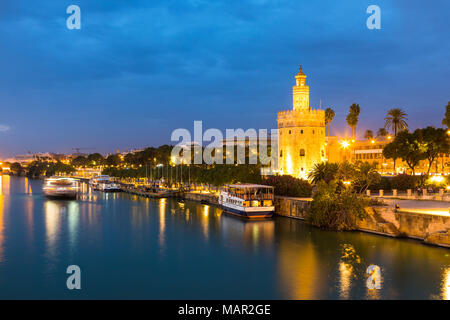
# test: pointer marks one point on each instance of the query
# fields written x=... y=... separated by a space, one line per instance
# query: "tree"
x=329 y=115
x=382 y=132
x=95 y=159
x=368 y=134
x=409 y=147
x=16 y=168
x=446 y=120
x=436 y=142
x=353 y=117
x=80 y=161
x=324 y=171
x=113 y=160
x=396 y=120
x=336 y=208
x=365 y=175
x=286 y=185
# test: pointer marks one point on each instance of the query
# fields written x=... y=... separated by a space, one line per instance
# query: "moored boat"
x=60 y=188
x=108 y=186
x=251 y=201
x=98 y=180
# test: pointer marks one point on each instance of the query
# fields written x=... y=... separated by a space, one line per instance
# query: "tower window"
x=313 y=131
x=289 y=131
x=301 y=131
x=323 y=154
x=302 y=152
x=281 y=154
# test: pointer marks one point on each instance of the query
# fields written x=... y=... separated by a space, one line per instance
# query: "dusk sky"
x=137 y=70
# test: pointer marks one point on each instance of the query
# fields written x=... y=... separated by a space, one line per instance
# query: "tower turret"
x=300 y=92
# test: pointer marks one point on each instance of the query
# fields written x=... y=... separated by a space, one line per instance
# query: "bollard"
x=394 y=192
x=409 y=192
x=381 y=192
x=441 y=192
x=424 y=192
x=368 y=192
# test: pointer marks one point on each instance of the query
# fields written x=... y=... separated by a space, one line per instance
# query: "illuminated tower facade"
x=301 y=133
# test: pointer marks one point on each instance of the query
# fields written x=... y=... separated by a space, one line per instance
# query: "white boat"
x=60 y=188
x=108 y=186
x=247 y=200
x=96 y=181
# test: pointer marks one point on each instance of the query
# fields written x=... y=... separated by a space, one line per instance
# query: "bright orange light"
x=347 y=183
x=345 y=144
x=389 y=137
x=373 y=141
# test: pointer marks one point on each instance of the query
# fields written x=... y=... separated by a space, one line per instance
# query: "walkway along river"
x=134 y=247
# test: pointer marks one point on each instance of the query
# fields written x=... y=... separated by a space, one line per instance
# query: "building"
x=301 y=133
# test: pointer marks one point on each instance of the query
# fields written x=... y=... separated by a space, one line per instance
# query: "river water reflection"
x=130 y=247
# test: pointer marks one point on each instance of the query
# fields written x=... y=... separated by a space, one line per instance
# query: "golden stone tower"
x=301 y=133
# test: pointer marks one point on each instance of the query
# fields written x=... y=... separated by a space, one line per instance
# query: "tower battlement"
x=301 y=118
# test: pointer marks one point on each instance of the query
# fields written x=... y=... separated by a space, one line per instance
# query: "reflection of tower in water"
x=300 y=272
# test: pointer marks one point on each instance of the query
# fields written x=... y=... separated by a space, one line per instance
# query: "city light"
x=345 y=144
x=437 y=179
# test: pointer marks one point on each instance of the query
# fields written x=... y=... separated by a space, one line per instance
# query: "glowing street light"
x=345 y=144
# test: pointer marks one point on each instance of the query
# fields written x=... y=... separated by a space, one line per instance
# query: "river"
x=135 y=248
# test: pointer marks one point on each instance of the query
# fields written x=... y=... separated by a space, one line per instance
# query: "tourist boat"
x=251 y=201
x=60 y=188
x=109 y=186
x=98 y=180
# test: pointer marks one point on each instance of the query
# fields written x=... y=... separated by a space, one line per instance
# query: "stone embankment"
x=384 y=220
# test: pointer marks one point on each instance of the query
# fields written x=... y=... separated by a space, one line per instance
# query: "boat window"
x=302 y=152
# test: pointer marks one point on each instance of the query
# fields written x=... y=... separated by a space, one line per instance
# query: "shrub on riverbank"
x=336 y=208
x=289 y=186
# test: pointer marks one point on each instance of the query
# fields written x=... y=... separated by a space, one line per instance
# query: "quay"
x=430 y=226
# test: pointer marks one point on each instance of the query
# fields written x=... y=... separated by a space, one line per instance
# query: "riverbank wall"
x=382 y=220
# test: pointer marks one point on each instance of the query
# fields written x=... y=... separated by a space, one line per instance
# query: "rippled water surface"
x=130 y=247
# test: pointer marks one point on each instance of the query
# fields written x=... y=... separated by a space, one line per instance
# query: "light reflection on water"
x=168 y=248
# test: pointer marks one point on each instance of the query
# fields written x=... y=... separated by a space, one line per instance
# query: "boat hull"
x=63 y=195
x=248 y=214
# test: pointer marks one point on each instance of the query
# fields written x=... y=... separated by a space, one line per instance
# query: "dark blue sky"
x=139 y=69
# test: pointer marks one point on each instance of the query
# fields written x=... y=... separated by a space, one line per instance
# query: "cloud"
x=4 y=128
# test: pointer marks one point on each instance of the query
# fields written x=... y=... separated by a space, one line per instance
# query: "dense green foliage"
x=216 y=175
x=403 y=182
x=422 y=144
x=335 y=207
x=360 y=175
x=43 y=168
x=289 y=186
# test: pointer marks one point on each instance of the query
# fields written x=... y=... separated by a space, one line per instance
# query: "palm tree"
x=396 y=120
x=324 y=171
x=382 y=132
x=329 y=115
x=353 y=117
x=446 y=120
x=368 y=134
